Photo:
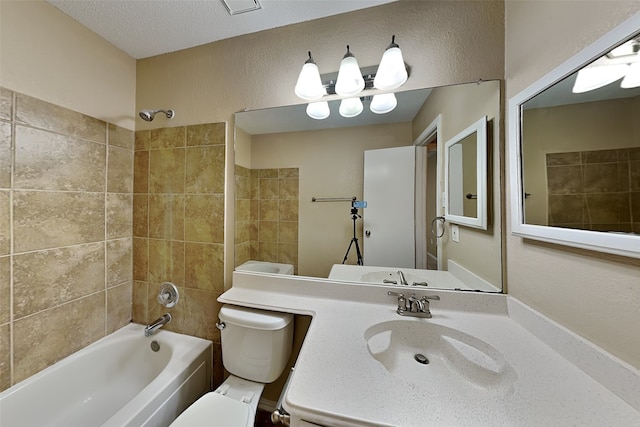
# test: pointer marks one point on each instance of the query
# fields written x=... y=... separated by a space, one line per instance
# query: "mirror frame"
x=480 y=129
x=613 y=243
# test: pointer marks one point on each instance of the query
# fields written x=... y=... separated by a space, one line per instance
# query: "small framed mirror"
x=574 y=146
x=465 y=176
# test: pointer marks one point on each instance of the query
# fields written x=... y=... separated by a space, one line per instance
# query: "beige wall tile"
x=6 y=104
x=242 y=232
x=139 y=298
x=5 y=291
x=268 y=210
x=5 y=224
x=269 y=189
x=46 y=279
x=141 y=139
x=119 y=262
x=48 y=161
x=205 y=169
x=141 y=172
x=119 y=215
x=166 y=171
x=203 y=309
x=159 y=261
x=167 y=138
x=120 y=170
x=5 y=357
x=206 y=134
x=204 y=266
x=288 y=210
x=243 y=210
x=289 y=188
x=243 y=253
x=51 y=117
x=160 y=216
x=140 y=215
x=140 y=259
x=47 y=219
x=268 y=251
x=243 y=188
x=121 y=137
x=119 y=306
x=204 y=218
x=5 y=155
x=288 y=232
x=268 y=231
x=45 y=338
x=288 y=253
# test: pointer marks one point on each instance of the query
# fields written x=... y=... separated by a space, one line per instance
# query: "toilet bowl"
x=256 y=346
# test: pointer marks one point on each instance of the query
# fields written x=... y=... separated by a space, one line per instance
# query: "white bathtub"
x=266 y=267
x=115 y=382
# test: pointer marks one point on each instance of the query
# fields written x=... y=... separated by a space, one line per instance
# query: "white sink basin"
x=432 y=355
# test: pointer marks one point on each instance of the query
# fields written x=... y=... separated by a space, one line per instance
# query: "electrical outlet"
x=455 y=233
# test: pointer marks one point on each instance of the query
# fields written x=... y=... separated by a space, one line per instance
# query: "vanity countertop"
x=338 y=382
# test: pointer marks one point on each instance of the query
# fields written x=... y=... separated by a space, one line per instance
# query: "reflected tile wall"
x=66 y=247
x=267 y=215
x=595 y=190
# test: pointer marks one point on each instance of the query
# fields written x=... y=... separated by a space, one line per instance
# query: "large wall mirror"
x=465 y=176
x=297 y=177
x=575 y=150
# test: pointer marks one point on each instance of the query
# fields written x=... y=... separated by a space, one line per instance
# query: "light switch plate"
x=455 y=233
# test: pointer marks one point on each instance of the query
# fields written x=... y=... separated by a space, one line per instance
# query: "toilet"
x=256 y=346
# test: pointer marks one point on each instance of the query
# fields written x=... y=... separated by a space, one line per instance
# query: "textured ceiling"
x=145 y=28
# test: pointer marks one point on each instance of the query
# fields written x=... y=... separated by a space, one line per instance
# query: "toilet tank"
x=256 y=344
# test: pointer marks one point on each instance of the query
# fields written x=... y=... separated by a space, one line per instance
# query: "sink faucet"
x=157 y=324
x=412 y=306
x=403 y=281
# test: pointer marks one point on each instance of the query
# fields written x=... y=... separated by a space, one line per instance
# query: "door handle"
x=367 y=233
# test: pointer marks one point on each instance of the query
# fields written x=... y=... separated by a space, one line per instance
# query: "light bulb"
x=392 y=72
x=349 y=81
x=318 y=110
x=632 y=79
x=384 y=103
x=592 y=78
x=309 y=85
x=350 y=107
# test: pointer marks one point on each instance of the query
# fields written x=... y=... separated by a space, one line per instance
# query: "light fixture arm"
x=393 y=42
x=310 y=60
x=348 y=54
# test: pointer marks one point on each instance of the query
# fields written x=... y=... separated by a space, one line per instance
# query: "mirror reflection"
x=581 y=147
x=285 y=160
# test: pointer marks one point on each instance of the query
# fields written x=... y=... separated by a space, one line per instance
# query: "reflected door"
x=388 y=219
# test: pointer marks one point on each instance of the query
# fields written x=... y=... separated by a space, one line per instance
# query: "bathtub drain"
x=155 y=346
x=421 y=358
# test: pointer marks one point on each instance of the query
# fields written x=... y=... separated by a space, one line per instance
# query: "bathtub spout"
x=157 y=324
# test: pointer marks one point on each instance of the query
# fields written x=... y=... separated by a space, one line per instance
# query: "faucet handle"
x=395 y=294
x=431 y=297
x=402 y=301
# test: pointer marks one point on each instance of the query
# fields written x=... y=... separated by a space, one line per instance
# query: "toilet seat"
x=214 y=409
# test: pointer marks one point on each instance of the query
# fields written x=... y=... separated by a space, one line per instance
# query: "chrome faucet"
x=157 y=324
x=413 y=306
x=403 y=281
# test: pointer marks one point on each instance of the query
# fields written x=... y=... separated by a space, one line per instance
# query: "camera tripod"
x=354 y=239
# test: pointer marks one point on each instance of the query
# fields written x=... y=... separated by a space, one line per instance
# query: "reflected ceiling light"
x=384 y=103
x=351 y=107
x=350 y=81
x=318 y=110
x=309 y=85
x=392 y=72
x=632 y=79
x=594 y=77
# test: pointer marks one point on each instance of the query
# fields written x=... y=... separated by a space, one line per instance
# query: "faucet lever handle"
x=395 y=294
x=431 y=297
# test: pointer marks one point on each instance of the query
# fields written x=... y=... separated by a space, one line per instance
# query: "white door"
x=388 y=219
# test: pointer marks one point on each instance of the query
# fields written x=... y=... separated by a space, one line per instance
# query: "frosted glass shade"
x=392 y=72
x=309 y=85
x=382 y=104
x=632 y=79
x=349 y=81
x=592 y=78
x=350 y=107
x=318 y=110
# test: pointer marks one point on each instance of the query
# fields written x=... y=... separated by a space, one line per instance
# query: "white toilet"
x=256 y=346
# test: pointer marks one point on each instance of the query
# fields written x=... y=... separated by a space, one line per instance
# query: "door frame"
x=421 y=226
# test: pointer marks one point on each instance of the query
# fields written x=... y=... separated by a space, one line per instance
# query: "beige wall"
x=461 y=106
x=331 y=164
x=589 y=293
x=47 y=55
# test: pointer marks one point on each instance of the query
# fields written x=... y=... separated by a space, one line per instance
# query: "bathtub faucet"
x=157 y=324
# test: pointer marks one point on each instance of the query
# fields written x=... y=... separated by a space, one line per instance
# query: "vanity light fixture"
x=351 y=107
x=318 y=110
x=622 y=62
x=309 y=85
x=392 y=72
x=383 y=103
x=350 y=82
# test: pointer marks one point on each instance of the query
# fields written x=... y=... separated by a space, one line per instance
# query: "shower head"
x=148 y=115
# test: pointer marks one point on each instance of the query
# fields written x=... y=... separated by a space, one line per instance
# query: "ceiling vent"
x=236 y=7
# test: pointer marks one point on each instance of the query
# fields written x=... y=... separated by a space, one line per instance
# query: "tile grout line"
x=11 y=240
x=106 y=248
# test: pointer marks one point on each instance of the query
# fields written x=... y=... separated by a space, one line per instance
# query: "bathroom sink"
x=431 y=355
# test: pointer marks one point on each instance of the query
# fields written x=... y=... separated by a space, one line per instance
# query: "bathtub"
x=266 y=267
x=117 y=381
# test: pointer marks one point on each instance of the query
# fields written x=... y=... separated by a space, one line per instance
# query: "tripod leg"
x=349 y=248
x=358 y=253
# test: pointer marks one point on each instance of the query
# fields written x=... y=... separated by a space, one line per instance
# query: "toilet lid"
x=214 y=409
